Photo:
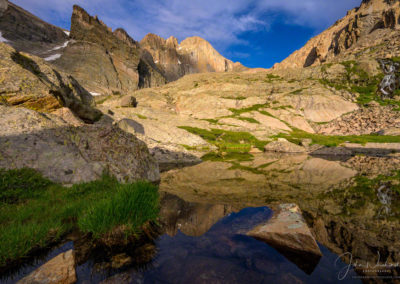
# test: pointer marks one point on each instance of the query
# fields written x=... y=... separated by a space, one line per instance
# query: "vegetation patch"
x=248 y=119
x=297 y=135
x=248 y=109
x=365 y=193
x=227 y=141
x=357 y=80
x=35 y=211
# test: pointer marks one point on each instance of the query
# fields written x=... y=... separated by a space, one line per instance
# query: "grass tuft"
x=35 y=211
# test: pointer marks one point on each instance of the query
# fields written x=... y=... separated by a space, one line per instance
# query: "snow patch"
x=66 y=32
x=53 y=57
x=61 y=46
x=2 y=39
x=95 y=94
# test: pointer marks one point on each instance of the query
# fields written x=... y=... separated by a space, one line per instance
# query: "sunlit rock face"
x=192 y=55
x=124 y=66
x=368 y=25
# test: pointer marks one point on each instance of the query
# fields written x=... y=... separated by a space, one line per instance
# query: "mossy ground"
x=228 y=141
x=357 y=80
x=363 y=194
x=297 y=135
x=35 y=211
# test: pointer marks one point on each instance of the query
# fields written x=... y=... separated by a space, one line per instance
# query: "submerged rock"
x=60 y=270
x=289 y=234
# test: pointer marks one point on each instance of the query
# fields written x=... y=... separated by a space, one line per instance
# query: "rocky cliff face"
x=26 y=32
x=104 y=61
x=192 y=55
x=368 y=25
x=28 y=81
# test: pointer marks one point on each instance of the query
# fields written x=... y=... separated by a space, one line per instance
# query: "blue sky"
x=256 y=33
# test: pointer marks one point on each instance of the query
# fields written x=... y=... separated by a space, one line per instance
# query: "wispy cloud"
x=220 y=21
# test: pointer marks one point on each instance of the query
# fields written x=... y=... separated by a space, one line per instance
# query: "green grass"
x=227 y=141
x=248 y=109
x=35 y=211
x=248 y=119
x=210 y=120
x=331 y=140
x=239 y=98
x=141 y=116
x=132 y=205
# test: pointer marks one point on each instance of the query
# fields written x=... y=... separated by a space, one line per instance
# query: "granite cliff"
x=371 y=24
x=192 y=55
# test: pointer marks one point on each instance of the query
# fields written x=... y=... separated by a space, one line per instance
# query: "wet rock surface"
x=60 y=269
x=288 y=233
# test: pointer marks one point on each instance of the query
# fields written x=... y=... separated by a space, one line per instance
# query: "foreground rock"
x=288 y=232
x=68 y=154
x=60 y=270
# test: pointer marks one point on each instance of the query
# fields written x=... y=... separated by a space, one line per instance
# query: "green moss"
x=35 y=211
x=298 y=91
x=212 y=121
x=248 y=119
x=227 y=140
x=248 y=109
x=331 y=140
x=238 y=98
x=141 y=116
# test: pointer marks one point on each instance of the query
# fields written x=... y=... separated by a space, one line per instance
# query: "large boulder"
x=68 y=154
x=60 y=270
x=288 y=233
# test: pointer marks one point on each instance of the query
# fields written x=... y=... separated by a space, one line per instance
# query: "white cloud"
x=219 y=21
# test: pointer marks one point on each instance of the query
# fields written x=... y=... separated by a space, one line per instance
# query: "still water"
x=350 y=204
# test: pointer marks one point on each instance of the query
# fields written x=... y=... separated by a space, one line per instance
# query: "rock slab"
x=60 y=270
x=287 y=230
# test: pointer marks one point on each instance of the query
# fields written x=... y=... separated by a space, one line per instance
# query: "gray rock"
x=332 y=151
x=129 y=101
x=131 y=126
x=68 y=154
x=3 y=6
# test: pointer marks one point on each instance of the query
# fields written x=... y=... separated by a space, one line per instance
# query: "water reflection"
x=352 y=204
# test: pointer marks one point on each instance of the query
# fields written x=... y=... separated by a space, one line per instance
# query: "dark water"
x=207 y=209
